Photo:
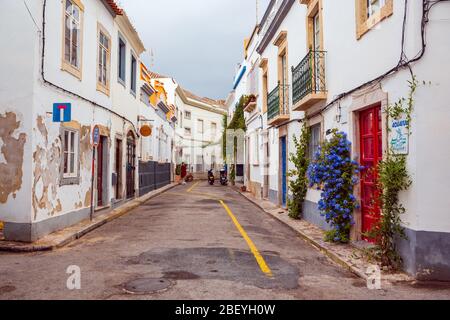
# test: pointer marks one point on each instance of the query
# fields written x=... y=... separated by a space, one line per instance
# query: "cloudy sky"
x=198 y=42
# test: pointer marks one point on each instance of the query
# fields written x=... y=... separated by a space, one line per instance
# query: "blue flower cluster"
x=335 y=174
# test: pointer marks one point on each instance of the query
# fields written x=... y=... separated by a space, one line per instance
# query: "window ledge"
x=369 y=24
x=69 y=181
x=122 y=82
x=65 y=66
x=103 y=89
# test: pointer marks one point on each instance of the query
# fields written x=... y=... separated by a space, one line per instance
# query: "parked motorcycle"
x=211 y=177
x=223 y=177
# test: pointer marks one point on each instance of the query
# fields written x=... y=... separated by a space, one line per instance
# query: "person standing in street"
x=183 y=172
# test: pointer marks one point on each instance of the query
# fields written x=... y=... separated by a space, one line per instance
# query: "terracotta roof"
x=154 y=75
x=114 y=7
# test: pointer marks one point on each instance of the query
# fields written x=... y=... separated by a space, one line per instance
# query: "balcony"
x=163 y=106
x=251 y=104
x=308 y=81
x=278 y=105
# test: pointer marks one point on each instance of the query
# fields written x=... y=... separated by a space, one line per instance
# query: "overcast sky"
x=198 y=42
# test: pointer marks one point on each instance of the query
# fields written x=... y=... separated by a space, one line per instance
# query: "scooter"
x=211 y=177
x=223 y=177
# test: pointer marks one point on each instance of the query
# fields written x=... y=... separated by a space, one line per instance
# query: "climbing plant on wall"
x=393 y=178
x=238 y=121
x=224 y=138
x=298 y=184
x=334 y=173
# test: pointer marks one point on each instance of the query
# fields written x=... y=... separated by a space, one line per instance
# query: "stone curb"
x=399 y=277
x=64 y=237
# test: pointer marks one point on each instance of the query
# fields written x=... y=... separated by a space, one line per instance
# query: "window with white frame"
x=187 y=131
x=255 y=147
x=72 y=36
x=122 y=60
x=104 y=55
x=187 y=115
x=314 y=140
x=199 y=126
x=70 y=141
x=133 y=74
x=213 y=130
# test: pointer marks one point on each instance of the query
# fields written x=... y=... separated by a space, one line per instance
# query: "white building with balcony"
x=338 y=65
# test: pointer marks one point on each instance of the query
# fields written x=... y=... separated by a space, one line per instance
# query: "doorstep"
x=64 y=237
x=349 y=256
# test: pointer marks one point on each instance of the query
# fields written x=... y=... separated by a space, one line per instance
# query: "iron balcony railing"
x=278 y=102
x=309 y=76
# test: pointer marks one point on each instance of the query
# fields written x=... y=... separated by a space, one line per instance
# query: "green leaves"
x=238 y=121
x=393 y=178
x=299 y=184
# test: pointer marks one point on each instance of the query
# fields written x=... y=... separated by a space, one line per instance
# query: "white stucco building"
x=335 y=65
x=68 y=66
x=198 y=130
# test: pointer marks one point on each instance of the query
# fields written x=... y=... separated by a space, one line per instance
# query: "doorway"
x=131 y=165
x=266 y=166
x=371 y=154
x=100 y=173
x=118 y=158
x=102 y=169
x=283 y=158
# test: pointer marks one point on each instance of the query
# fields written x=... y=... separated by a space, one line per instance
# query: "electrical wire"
x=403 y=63
x=31 y=15
x=95 y=104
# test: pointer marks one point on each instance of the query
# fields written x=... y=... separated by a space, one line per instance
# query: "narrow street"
x=195 y=249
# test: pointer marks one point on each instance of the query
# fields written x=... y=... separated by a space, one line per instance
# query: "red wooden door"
x=100 y=173
x=371 y=154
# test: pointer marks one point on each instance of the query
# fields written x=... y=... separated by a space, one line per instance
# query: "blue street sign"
x=96 y=136
x=62 y=112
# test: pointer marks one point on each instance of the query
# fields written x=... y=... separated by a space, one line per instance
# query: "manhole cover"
x=147 y=285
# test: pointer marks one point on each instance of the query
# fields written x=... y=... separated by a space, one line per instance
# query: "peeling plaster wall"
x=18 y=50
x=52 y=200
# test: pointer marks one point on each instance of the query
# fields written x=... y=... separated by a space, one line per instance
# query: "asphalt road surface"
x=187 y=244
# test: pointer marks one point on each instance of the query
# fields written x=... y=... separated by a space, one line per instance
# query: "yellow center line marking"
x=192 y=188
x=261 y=262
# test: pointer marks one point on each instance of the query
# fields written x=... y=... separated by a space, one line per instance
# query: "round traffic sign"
x=95 y=136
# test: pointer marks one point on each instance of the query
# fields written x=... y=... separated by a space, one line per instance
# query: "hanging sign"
x=95 y=136
x=146 y=130
x=399 y=136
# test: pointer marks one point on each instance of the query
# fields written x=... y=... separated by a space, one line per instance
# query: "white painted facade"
x=198 y=131
x=349 y=63
x=46 y=200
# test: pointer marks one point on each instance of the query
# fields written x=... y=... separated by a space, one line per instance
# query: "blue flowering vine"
x=334 y=173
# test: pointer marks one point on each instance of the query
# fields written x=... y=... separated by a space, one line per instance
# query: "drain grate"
x=147 y=285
